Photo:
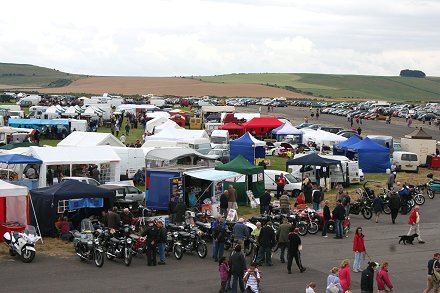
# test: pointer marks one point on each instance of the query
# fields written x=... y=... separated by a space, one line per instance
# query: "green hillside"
x=30 y=75
x=394 y=88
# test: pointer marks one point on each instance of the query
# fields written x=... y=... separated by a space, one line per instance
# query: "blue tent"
x=341 y=148
x=19 y=159
x=288 y=129
x=249 y=147
x=373 y=158
x=37 y=123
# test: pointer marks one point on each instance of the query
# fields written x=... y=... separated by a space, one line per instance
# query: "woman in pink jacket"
x=344 y=275
x=223 y=268
x=383 y=280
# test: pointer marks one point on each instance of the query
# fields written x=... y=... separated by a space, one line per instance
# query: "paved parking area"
x=191 y=274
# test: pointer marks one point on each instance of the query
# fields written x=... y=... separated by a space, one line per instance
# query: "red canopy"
x=230 y=126
x=262 y=125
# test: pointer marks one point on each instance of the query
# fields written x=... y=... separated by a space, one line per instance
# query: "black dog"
x=408 y=239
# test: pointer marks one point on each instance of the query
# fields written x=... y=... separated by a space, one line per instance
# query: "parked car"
x=87 y=180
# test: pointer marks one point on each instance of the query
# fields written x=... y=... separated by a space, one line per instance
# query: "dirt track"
x=168 y=86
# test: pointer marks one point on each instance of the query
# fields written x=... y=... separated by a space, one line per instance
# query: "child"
x=252 y=278
x=223 y=268
x=311 y=288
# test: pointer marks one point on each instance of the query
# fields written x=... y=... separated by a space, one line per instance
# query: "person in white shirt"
x=311 y=288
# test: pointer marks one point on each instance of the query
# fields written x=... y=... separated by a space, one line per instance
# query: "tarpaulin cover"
x=372 y=157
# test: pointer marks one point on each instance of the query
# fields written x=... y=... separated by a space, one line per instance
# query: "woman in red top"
x=300 y=199
x=344 y=275
x=359 y=249
x=383 y=280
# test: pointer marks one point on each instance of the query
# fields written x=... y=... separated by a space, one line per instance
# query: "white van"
x=406 y=161
x=293 y=185
x=338 y=175
x=219 y=137
x=37 y=111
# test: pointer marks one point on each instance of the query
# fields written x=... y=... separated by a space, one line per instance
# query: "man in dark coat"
x=326 y=216
x=283 y=237
x=338 y=217
x=172 y=209
x=224 y=198
x=394 y=205
x=294 y=250
x=152 y=235
x=113 y=219
x=161 y=241
x=264 y=203
x=180 y=211
x=266 y=241
x=238 y=267
x=367 y=278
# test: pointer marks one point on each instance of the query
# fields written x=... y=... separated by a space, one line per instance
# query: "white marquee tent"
x=83 y=139
x=321 y=137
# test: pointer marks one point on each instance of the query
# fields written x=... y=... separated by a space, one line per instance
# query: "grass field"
x=393 y=88
x=30 y=75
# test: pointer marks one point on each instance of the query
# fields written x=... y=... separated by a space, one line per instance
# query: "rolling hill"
x=394 y=88
x=293 y=85
x=25 y=75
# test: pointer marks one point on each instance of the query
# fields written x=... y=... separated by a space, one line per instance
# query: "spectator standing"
x=285 y=204
x=307 y=188
x=266 y=241
x=252 y=278
x=383 y=280
x=219 y=237
x=232 y=198
x=333 y=282
x=294 y=251
x=367 y=278
x=377 y=207
x=359 y=249
x=126 y=217
x=257 y=230
x=394 y=205
x=326 y=216
x=316 y=197
x=344 y=275
x=281 y=182
x=180 y=211
x=410 y=121
x=359 y=130
x=433 y=282
x=265 y=203
x=391 y=180
x=346 y=200
x=151 y=233
x=127 y=129
x=283 y=238
x=238 y=267
x=113 y=219
x=414 y=222
x=172 y=209
x=240 y=232
x=338 y=217
x=161 y=241
x=224 y=203
x=122 y=138
x=223 y=268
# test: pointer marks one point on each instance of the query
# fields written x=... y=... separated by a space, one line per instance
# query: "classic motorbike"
x=362 y=206
x=312 y=220
x=118 y=244
x=87 y=244
x=22 y=244
x=188 y=242
x=432 y=186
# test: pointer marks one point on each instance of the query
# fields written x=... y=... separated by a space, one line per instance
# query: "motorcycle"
x=311 y=219
x=118 y=244
x=362 y=206
x=22 y=244
x=189 y=241
x=87 y=244
x=417 y=194
x=432 y=186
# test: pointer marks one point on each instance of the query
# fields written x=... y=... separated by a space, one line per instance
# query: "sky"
x=208 y=37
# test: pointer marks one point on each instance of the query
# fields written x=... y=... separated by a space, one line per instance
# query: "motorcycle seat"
x=114 y=240
x=184 y=234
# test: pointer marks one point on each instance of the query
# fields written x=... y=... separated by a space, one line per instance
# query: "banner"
x=75 y=204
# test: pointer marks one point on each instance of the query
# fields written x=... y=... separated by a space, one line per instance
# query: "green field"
x=393 y=88
x=30 y=75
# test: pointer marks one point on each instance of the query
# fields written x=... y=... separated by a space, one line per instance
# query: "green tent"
x=242 y=166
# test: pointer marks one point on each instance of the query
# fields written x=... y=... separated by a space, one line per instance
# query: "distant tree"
x=412 y=73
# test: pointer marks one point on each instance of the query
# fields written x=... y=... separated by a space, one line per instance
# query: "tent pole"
x=36 y=220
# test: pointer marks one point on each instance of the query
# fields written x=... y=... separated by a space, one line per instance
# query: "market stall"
x=372 y=157
x=288 y=129
x=249 y=147
x=342 y=147
x=18 y=163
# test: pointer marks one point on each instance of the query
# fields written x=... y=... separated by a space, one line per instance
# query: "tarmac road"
x=398 y=127
x=191 y=274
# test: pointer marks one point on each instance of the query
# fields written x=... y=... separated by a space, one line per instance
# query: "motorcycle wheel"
x=367 y=213
x=302 y=227
x=386 y=209
x=99 y=258
x=419 y=199
x=431 y=194
x=202 y=250
x=127 y=256
x=178 y=251
x=27 y=255
x=331 y=227
x=12 y=252
x=312 y=228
